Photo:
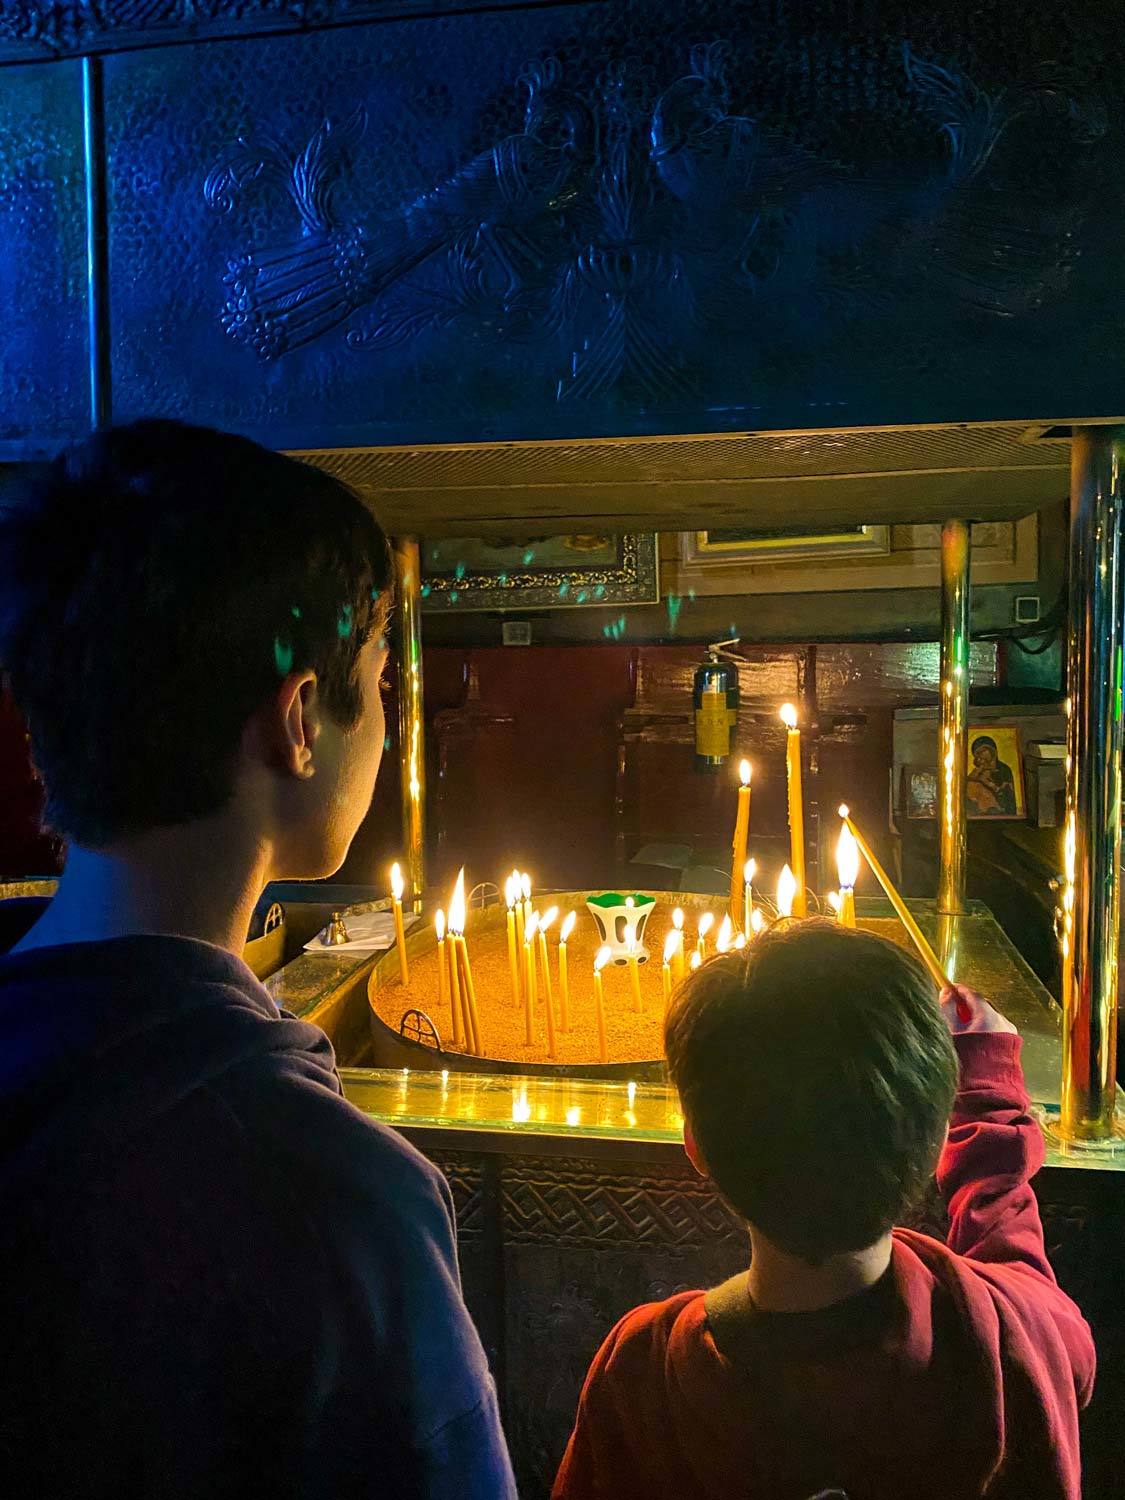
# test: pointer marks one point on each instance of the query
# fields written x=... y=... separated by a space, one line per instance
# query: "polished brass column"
x=411 y=721
x=1092 y=835
x=956 y=553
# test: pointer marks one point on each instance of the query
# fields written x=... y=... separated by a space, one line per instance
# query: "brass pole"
x=411 y=721
x=1092 y=835
x=956 y=555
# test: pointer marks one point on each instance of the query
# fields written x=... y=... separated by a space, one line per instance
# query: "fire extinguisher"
x=715 y=698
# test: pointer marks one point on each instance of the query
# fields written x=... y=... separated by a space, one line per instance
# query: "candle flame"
x=525 y=886
x=740 y=942
x=457 y=904
x=749 y=870
x=532 y=927
x=547 y=918
x=706 y=922
x=744 y=772
x=397 y=883
x=602 y=958
x=726 y=933
x=847 y=859
x=568 y=926
x=786 y=890
x=757 y=921
x=671 y=943
x=439 y=925
x=788 y=715
x=696 y=959
x=843 y=810
x=509 y=893
x=833 y=899
x=678 y=919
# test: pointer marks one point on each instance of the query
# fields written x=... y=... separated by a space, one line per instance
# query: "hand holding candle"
x=796 y=807
x=397 y=888
x=925 y=952
x=738 y=847
x=847 y=868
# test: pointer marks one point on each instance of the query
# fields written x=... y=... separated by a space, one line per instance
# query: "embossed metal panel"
x=620 y=220
x=43 y=389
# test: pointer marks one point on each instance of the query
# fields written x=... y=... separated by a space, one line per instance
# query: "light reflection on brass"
x=1092 y=836
x=411 y=722
x=949 y=947
x=954 y=725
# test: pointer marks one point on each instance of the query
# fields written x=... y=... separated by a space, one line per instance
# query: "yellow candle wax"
x=397 y=888
x=531 y=986
x=599 y=1002
x=442 y=972
x=925 y=952
x=459 y=1038
x=680 y=957
x=469 y=997
x=796 y=807
x=564 y=977
x=847 y=867
x=545 y=965
x=749 y=870
x=513 y=951
x=671 y=944
x=706 y=922
x=738 y=845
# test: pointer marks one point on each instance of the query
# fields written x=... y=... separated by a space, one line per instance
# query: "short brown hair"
x=817 y=1074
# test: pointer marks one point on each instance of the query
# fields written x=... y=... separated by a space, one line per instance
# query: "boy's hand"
x=964 y=1010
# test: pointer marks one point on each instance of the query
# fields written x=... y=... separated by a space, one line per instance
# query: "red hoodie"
x=958 y=1376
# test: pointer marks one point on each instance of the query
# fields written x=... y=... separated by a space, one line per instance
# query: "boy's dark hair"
x=817 y=1074
x=157 y=581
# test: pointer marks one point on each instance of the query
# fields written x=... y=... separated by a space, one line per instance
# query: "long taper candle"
x=517 y=894
x=925 y=952
x=459 y=1037
x=442 y=971
x=796 y=806
x=749 y=870
x=670 y=946
x=513 y=951
x=604 y=956
x=531 y=989
x=397 y=888
x=564 y=977
x=633 y=960
x=706 y=922
x=847 y=868
x=544 y=959
x=681 y=957
x=462 y=1036
x=469 y=994
x=738 y=845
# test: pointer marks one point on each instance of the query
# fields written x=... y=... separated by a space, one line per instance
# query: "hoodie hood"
x=101 y=1039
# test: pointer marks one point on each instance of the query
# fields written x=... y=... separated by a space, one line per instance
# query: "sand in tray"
x=629 y=1037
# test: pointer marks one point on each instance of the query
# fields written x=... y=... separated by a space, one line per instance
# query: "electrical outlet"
x=1027 y=609
x=516 y=632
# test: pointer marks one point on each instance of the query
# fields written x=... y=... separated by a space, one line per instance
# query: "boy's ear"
x=287 y=726
x=694 y=1155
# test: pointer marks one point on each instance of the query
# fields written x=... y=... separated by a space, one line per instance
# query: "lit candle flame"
x=457 y=904
x=786 y=890
x=678 y=919
x=696 y=960
x=757 y=921
x=833 y=899
x=706 y=922
x=740 y=942
x=439 y=925
x=749 y=870
x=843 y=810
x=671 y=943
x=532 y=927
x=602 y=958
x=525 y=886
x=788 y=715
x=509 y=893
x=398 y=885
x=547 y=918
x=744 y=772
x=568 y=926
x=726 y=932
x=847 y=859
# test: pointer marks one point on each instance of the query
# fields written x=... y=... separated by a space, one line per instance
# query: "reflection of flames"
x=583 y=542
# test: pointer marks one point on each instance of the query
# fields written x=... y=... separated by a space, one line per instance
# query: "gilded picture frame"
x=782 y=544
x=505 y=575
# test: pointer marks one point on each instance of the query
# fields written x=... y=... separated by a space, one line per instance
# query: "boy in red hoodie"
x=817 y=1076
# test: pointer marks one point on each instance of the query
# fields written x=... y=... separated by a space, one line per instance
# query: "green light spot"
x=527 y=557
x=454 y=596
x=282 y=656
x=675 y=604
x=564 y=588
x=503 y=580
x=459 y=572
x=599 y=592
x=582 y=596
x=374 y=596
x=425 y=591
x=295 y=612
x=344 y=623
x=387 y=743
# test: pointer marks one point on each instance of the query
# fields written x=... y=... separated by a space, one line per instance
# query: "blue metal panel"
x=619 y=219
x=43 y=384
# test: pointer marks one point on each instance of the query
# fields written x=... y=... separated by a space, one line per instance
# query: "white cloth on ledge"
x=368 y=932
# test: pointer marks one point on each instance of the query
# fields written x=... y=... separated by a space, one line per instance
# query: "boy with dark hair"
x=816 y=1074
x=220 y=1279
